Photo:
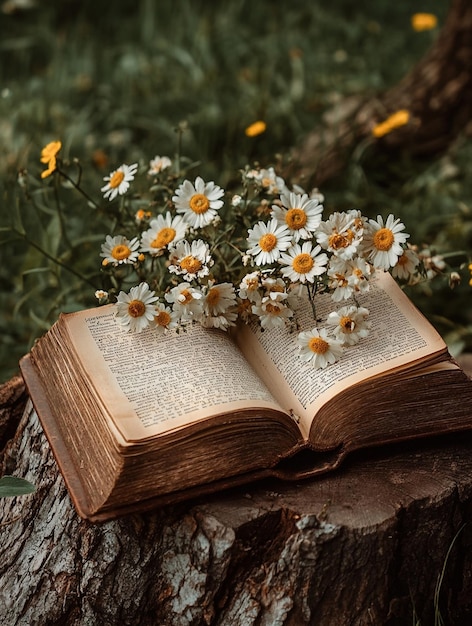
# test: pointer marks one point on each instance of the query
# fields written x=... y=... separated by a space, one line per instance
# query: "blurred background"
x=112 y=81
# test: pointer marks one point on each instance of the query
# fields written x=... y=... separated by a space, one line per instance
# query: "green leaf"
x=13 y=486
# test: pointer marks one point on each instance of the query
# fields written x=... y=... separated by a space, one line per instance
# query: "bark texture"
x=364 y=546
x=437 y=93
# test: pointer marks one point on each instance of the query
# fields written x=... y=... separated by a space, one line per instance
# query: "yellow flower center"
x=136 y=308
x=268 y=242
x=318 y=345
x=191 y=264
x=116 y=179
x=186 y=295
x=338 y=241
x=383 y=239
x=273 y=309
x=295 y=219
x=213 y=296
x=162 y=318
x=255 y=129
x=120 y=252
x=163 y=237
x=403 y=260
x=199 y=203
x=303 y=263
x=347 y=324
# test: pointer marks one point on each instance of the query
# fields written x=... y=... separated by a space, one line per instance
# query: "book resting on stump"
x=139 y=420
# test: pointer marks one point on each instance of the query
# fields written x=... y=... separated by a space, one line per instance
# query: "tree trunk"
x=366 y=545
x=437 y=93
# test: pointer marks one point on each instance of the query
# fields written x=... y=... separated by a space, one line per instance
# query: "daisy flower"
x=118 y=181
x=319 y=349
x=272 y=313
x=219 y=298
x=164 y=318
x=136 y=310
x=268 y=180
x=267 y=241
x=199 y=203
x=158 y=164
x=191 y=260
x=383 y=241
x=347 y=278
x=341 y=233
x=406 y=265
x=275 y=288
x=119 y=250
x=303 y=262
x=163 y=231
x=219 y=307
x=249 y=286
x=350 y=324
x=187 y=302
x=299 y=213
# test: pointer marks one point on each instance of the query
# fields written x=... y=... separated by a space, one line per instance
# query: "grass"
x=113 y=83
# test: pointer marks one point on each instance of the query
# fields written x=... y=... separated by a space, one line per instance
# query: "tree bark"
x=366 y=545
x=437 y=93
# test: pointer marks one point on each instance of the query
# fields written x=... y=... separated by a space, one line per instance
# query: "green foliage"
x=13 y=486
x=112 y=82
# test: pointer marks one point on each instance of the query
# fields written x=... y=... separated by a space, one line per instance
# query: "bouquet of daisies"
x=184 y=251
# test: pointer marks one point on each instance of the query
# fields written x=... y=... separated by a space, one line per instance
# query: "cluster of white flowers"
x=179 y=252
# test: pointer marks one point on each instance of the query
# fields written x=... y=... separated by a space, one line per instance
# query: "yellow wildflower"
x=257 y=128
x=48 y=155
x=423 y=21
x=399 y=118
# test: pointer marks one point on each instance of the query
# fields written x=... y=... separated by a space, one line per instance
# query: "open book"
x=138 y=419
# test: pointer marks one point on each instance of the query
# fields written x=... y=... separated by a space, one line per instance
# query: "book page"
x=153 y=383
x=399 y=335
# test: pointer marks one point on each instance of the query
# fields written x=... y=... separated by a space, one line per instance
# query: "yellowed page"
x=399 y=335
x=152 y=383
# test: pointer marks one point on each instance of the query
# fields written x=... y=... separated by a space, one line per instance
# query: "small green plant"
x=11 y=486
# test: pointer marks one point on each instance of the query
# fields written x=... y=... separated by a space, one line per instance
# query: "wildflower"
x=397 y=119
x=136 y=310
x=141 y=216
x=118 y=181
x=120 y=250
x=219 y=298
x=257 y=128
x=192 y=260
x=341 y=233
x=272 y=313
x=163 y=231
x=267 y=179
x=267 y=241
x=187 y=302
x=350 y=324
x=164 y=318
x=158 y=164
x=219 y=306
x=317 y=348
x=304 y=262
x=423 y=21
x=102 y=296
x=249 y=286
x=406 y=265
x=347 y=278
x=383 y=242
x=300 y=214
x=198 y=203
x=49 y=156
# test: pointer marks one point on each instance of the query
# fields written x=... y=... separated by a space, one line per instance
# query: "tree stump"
x=386 y=540
x=437 y=93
